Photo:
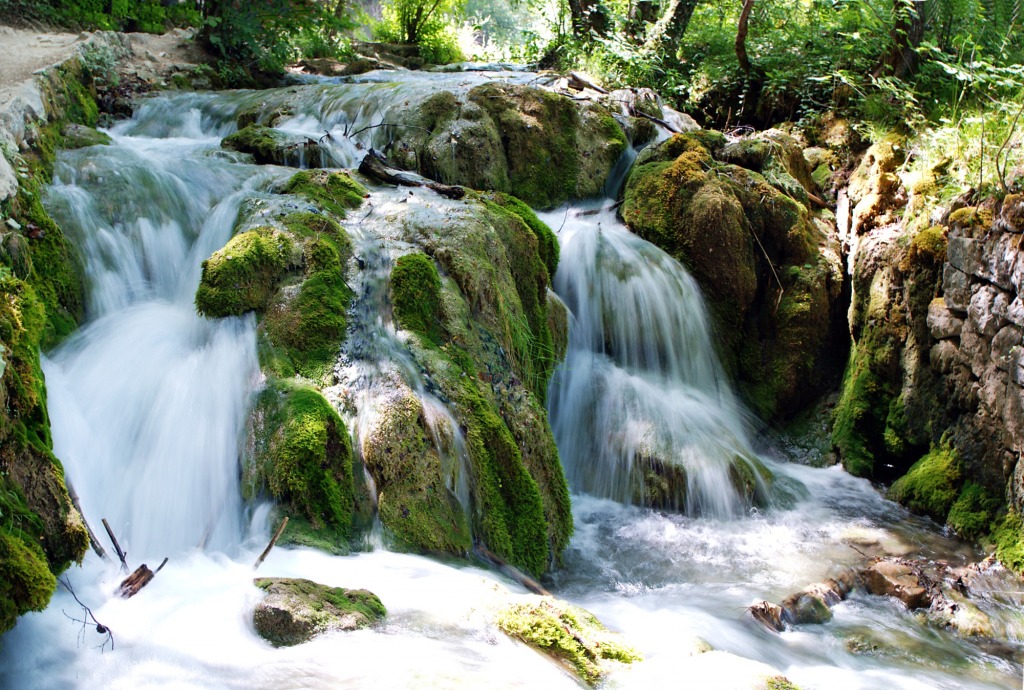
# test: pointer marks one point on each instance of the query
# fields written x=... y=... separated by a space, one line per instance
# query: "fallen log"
x=374 y=166
x=142 y=576
x=655 y=120
x=273 y=540
x=577 y=82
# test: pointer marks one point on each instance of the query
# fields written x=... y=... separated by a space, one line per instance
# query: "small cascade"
x=641 y=410
x=147 y=401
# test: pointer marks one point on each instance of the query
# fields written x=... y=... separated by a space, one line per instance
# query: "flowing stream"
x=148 y=405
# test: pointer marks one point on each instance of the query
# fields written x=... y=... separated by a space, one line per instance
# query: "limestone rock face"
x=294 y=611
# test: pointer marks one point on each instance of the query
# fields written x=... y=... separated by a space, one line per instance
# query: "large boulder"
x=293 y=611
x=538 y=145
x=769 y=267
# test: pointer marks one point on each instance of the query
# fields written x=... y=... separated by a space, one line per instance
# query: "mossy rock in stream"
x=932 y=484
x=570 y=635
x=335 y=192
x=270 y=146
x=541 y=146
x=770 y=271
x=473 y=305
x=300 y=453
x=80 y=136
x=244 y=274
x=295 y=610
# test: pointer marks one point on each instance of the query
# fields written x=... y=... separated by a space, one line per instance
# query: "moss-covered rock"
x=973 y=512
x=414 y=501
x=26 y=583
x=77 y=136
x=293 y=610
x=538 y=145
x=244 y=274
x=335 y=192
x=770 y=271
x=570 y=635
x=931 y=485
x=416 y=295
x=300 y=453
x=270 y=146
x=1008 y=535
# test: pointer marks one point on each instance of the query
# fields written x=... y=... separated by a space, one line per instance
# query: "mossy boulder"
x=473 y=307
x=335 y=192
x=244 y=274
x=269 y=146
x=572 y=636
x=931 y=485
x=26 y=583
x=77 y=136
x=536 y=144
x=294 y=610
x=415 y=503
x=300 y=454
x=770 y=269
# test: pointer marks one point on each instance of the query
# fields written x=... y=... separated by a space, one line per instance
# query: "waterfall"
x=641 y=390
x=148 y=400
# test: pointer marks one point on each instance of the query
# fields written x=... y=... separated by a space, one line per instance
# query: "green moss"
x=26 y=583
x=308 y=225
x=294 y=610
x=416 y=295
x=972 y=217
x=265 y=145
x=1008 y=535
x=302 y=455
x=932 y=483
x=333 y=191
x=547 y=242
x=779 y=683
x=538 y=131
x=80 y=136
x=243 y=275
x=927 y=250
x=973 y=512
x=310 y=325
x=569 y=634
x=263 y=114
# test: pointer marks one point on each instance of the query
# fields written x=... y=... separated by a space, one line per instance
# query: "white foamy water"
x=148 y=405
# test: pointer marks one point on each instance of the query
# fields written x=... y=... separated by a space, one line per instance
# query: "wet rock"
x=79 y=136
x=269 y=146
x=899 y=579
x=294 y=611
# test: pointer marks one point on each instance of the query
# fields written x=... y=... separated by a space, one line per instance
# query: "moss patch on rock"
x=932 y=484
x=333 y=191
x=1008 y=535
x=568 y=634
x=26 y=583
x=294 y=610
x=301 y=455
x=416 y=295
x=243 y=275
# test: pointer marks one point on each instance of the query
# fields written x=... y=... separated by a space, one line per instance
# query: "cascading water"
x=148 y=403
x=641 y=390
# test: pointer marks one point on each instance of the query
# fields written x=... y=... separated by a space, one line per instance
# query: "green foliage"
x=26 y=583
x=426 y=23
x=932 y=483
x=149 y=16
x=974 y=511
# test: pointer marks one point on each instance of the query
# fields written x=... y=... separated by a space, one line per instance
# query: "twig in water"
x=117 y=547
x=87 y=619
x=277 y=535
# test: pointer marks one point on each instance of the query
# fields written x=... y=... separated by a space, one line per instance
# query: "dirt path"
x=22 y=52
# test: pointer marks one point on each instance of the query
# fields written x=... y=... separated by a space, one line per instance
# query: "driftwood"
x=273 y=540
x=117 y=547
x=373 y=165
x=94 y=541
x=655 y=120
x=142 y=576
x=578 y=83
x=510 y=570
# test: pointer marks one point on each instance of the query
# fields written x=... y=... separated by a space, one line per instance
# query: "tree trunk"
x=741 y=36
x=902 y=59
x=641 y=13
x=588 y=17
x=669 y=30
